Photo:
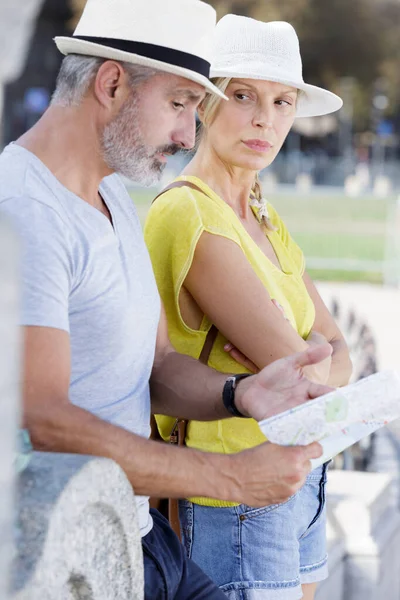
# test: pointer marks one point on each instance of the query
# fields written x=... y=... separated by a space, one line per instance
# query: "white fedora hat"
x=252 y=49
x=175 y=36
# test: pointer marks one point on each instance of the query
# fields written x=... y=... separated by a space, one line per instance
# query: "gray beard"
x=124 y=150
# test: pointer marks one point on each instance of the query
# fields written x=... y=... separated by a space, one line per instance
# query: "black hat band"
x=161 y=53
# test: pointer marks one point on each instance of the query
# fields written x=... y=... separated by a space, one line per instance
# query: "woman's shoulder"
x=191 y=201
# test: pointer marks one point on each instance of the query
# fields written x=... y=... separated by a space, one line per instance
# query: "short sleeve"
x=173 y=227
x=46 y=262
x=294 y=251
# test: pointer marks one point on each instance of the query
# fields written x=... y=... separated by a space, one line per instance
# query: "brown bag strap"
x=179 y=184
x=178 y=432
x=208 y=345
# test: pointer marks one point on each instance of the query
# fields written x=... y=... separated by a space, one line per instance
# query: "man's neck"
x=66 y=140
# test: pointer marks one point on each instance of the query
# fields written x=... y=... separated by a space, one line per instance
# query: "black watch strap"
x=228 y=394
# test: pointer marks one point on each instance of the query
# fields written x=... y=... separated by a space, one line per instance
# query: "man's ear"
x=110 y=87
x=200 y=112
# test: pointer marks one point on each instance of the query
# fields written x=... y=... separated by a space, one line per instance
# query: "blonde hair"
x=209 y=107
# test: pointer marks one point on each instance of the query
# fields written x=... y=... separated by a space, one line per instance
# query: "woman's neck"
x=233 y=184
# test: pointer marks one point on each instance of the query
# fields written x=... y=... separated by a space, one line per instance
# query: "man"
x=96 y=343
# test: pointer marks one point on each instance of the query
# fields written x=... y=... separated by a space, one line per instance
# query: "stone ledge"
x=77 y=534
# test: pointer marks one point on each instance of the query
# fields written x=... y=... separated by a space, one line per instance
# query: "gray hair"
x=78 y=72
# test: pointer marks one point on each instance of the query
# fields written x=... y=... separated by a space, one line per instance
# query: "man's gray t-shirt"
x=93 y=279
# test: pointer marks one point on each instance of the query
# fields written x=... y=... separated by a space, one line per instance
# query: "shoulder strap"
x=178 y=433
x=208 y=344
x=179 y=184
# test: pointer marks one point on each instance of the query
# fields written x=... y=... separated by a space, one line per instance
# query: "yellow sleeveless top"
x=173 y=227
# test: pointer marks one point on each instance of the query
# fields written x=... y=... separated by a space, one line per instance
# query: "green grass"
x=329 y=227
x=342 y=245
x=338 y=208
x=337 y=275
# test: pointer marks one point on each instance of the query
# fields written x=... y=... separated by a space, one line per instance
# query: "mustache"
x=170 y=149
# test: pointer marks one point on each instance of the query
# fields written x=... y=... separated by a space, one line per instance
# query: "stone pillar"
x=9 y=393
x=77 y=534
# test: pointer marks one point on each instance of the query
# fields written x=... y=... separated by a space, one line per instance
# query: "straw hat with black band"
x=175 y=36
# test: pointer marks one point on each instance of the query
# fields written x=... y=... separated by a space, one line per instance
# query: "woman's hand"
x=240 y=358
x=324 y=368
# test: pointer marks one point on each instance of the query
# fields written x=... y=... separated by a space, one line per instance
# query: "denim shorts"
x=261 y=553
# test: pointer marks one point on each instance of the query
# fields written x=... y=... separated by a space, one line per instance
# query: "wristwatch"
x=228 y=394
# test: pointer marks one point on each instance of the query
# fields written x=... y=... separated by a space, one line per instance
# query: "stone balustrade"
x=367 y=536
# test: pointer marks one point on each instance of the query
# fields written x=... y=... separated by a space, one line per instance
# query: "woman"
x=223 y=257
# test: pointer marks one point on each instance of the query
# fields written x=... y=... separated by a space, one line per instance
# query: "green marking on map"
x=336 y=409
x=296 y=437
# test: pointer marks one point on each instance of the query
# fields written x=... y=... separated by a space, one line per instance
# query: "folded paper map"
x=338 y=419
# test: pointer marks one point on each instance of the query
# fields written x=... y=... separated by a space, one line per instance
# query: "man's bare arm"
x=55 y=424
x=263 y=475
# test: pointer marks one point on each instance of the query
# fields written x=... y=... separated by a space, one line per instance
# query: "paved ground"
x=380 y=307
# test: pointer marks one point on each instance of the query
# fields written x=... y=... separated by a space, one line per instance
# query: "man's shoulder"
x=24 y=183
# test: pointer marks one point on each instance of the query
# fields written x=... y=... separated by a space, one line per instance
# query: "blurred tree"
x=77 y=8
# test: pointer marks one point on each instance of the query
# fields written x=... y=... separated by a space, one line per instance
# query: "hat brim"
x=314 y=102
x=70 y=45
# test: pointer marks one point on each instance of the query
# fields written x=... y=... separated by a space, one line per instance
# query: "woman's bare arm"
x=226 y=288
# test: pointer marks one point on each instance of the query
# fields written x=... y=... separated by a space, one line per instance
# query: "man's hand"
x=270 y=474
x=281 y=385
